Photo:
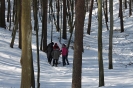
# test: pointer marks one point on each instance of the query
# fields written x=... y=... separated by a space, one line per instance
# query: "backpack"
x=56 y=54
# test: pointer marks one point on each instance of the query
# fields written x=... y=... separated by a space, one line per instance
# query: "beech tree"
x=27 y=76
x=79 y=26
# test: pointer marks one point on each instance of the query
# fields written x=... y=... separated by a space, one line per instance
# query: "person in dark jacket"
x=49 y=51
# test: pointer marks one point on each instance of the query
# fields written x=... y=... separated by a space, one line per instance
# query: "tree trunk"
x=90 y=16
x=72 y=28
x=106 y=10
x=10 y=20
x=105 y=13
x=36 y=28
x=79 y=26
x=121 y=17
x=44 y=25
x=26 y=57
x=125 y=4
x=13 y=11
x=64 y=35
x=111 y=35
x=58 y=10
x=2 y=14
x=8 y=12
x=100 y=58
x=17 y=12
x=20 y=36
x=130 y=8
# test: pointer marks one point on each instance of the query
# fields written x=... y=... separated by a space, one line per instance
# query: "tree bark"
x=20 y=36
x=64 y=35
x=36 y=28
x=130 y=8
x=26 y=57
x=44 y=25
x=121 y=16
x=90 y=17
x=2 y=14
x=100 y=58
x=17 y=11
x=58 y=10
x=78 y=45
x=125 y=4
x=8 y=12
x=111 y=35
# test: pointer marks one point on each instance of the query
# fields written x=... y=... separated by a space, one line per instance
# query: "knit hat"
x=55 y=43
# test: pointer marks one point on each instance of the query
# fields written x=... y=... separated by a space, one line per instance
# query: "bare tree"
x=9 y=8
x=100 y=57
x=19 y=18
x=130 y=8
x=64 y=35
x=105 y=13
x=2 y=14
x=44 y=27
x=36 y=28
x=125 y=4
x=79 y=26
x=71 y=22
x=121 y=15
x=90 y=17
x=111 y=35
x=58 y=10
x=17 y=12
x=26 y=57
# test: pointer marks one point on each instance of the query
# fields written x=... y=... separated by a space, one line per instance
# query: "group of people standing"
x=53 y=53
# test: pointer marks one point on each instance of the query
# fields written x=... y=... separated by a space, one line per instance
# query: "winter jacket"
x=64 y=51
x=56 y=54
x=49 y=50
x=56 y=46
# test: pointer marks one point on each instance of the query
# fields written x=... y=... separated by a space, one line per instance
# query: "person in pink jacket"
x=64 y=55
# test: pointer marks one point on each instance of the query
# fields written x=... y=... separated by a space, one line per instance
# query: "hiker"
x=56 y=46
x=56 y=55
x=64 y=55
x=49 y=51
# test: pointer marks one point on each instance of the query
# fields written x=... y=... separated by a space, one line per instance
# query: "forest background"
x=52 y=77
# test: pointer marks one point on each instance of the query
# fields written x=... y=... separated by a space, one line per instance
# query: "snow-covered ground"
x=120 y=76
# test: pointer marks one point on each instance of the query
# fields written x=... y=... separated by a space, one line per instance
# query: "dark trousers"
x=55 y=62
x=50 y=59
x=49 y=56
x=65 y=60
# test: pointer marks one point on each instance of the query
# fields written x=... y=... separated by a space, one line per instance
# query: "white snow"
x=120 y=76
